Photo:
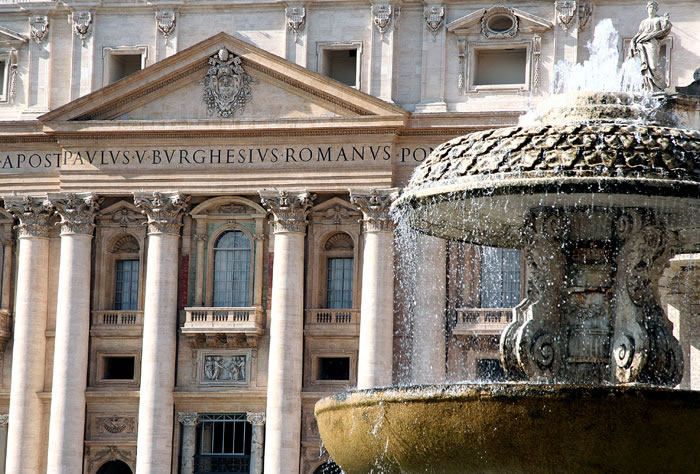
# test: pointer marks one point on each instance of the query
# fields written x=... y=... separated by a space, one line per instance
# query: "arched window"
x=125 y=252
x=114 y=467
x=232 y=259
x=339 y=271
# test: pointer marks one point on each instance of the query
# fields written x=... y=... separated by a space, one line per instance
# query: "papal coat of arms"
x=226 y=85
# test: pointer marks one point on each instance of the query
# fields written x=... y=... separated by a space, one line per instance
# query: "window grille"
x=126 y=292
x=232 y=257
x=500 y=277
x=224 y=443
x=339 y=288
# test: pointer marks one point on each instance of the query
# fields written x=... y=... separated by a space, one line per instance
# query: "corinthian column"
x=29 y=347
x=377 y=308
x=286 y=330
x=66 y=426
x=155 y=431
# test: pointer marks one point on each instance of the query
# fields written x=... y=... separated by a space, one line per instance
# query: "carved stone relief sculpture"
x=225 y=368
x=434 y=18
x=296 y=20
x=226 y=84
x=585 y=10
x=39 y=28
x=566 y=12
x=115 y=424
x=165 y=22
x=82 y=21
x=383 y=15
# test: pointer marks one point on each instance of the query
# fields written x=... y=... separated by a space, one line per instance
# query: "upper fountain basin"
x=581 y=150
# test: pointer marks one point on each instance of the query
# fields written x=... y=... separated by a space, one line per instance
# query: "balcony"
x=482 y=321
x=321 y=322
x=224 y=327
x=123 y=322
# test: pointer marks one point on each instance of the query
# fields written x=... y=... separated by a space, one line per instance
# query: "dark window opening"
x=115 y=467
x=119 y=368
x=122 y=65
x=334 y=368
x=341 y=65
x=490 y=370
x=224 y=443
x=500 y=67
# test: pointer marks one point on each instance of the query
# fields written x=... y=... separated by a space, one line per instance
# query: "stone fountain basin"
x=509 y=428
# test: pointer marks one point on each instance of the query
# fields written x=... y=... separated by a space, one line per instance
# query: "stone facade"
x=229 y=125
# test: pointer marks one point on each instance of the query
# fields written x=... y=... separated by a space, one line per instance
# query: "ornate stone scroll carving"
x=188 y=417
x=256 y=418
x=34 y=214
x=296 y=20
x=434 y=18
x=82 y=22
x=163 y=209
x=585 y=11
x=289 y=209
x=644 y=348
x=115 y=424
x=566 y=12
x=488 y=29
x=39 y=28
x=226 y=84
x=77 y=211
x=165 y=22
x=383 y=15
x=374 y=204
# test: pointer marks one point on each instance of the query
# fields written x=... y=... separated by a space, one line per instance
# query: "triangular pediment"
x=474 y=22
x=174 y=89
x=9 y=37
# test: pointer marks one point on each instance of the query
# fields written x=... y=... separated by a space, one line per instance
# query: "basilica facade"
x=196 y=237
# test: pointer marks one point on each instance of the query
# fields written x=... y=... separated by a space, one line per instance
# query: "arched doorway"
x=114 y=467
x=328 y=468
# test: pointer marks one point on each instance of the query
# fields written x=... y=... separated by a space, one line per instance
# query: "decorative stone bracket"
x=296 y=20
x=82 y=22
x=434 y=18
x=166 y=22
x=39 y=28
x=384 y=15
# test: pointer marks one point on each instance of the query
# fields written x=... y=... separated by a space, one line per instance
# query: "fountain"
x=599 y=191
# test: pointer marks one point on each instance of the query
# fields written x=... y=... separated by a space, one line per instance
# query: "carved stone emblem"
x=585 y=10
x=225 y=368
x=226 y=85
x=163 y=209
x=81 y=24
x=188 y=417
x=499 y=22
x=382 y=15
x=34 y=214
x=165 y=22
x=116 y=424
x=39 y=28
x=77 y=211
x=296 y=20
x=434 y=18
x=289 y=210
x=374 y=204
x=566 y=12
x=256 y=418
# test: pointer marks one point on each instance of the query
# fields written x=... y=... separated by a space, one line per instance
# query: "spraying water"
x=602 y=72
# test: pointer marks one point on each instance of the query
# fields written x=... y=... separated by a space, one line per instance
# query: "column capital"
x=375 y=204
x=256 y=418
x=163 y=209
x=4 y=418
x=34 y=214
x=289 y=208
x=188 y=417
x=77 y=211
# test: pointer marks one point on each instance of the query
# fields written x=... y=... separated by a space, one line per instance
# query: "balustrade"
x=111 y=318
x=482 y=321
x=224 y=326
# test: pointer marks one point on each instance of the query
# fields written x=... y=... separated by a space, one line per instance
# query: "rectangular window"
x=224 y=443
x=333 y=368
x=500 y=66
x=500 y=277
x=341 y=65
x=119 y=368
x=126 y=291
x=339 y=288
x=3 y=79
x=122 y=65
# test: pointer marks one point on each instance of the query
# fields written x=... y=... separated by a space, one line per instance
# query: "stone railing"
x=482 y=321
x=233 y=327
x=117 y=318
x=333 y=321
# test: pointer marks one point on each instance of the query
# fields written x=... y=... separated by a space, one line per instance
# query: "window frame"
x=473 y=49
x=117 y=261
x=325 y=255
x=102 y=356
x=109 y=51
x=323 y=46
x=481 y=280
x=113 y=256
x=213 y=238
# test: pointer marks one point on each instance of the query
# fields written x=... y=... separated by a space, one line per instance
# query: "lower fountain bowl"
x=511 y=427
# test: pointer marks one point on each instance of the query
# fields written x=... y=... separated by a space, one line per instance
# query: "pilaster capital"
x=375 y=205
x=163 y=209
x=256 y=419
x=190 y=418
x=77 y=211
x=34 y=214
x=288 y=208
x=4 y=419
